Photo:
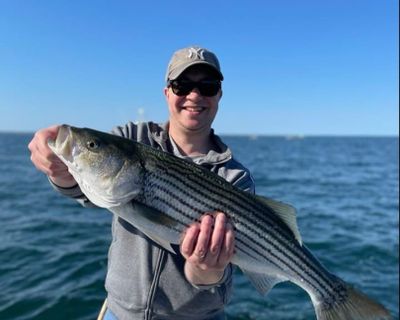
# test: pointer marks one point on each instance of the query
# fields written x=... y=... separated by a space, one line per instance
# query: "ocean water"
x=53 y=253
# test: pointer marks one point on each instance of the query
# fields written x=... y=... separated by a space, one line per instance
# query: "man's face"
x=193 y=112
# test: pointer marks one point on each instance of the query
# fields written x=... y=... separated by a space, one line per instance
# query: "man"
x=143 y=280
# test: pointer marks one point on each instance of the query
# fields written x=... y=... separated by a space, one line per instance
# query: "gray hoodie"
x=145 y=281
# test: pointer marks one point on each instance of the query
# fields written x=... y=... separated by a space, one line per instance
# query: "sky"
x=291 y=67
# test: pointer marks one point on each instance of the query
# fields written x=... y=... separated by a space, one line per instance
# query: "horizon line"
x=293 y=136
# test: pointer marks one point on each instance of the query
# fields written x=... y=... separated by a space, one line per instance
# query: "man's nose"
x=194 y=93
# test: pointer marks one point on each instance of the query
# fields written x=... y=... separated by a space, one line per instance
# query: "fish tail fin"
x=354 y=306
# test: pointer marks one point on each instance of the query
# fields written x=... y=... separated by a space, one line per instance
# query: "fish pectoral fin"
x=157 y=217
x=153 y=215
x=163 y=243
x=286 y=213
x=151 y=222
x=262 y=282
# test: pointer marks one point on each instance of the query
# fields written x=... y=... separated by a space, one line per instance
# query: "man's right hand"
x=46 y=161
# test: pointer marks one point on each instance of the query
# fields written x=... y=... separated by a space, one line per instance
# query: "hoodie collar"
x=161 y=136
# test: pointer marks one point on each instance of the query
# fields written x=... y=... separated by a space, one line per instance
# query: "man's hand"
x=46 y=161
x=208 y=248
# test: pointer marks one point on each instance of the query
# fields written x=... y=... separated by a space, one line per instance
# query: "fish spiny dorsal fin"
x=286 y=213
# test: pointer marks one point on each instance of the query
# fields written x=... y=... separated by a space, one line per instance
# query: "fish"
x=162 y=195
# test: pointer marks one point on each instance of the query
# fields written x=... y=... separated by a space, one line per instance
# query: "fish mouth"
x=61 y=146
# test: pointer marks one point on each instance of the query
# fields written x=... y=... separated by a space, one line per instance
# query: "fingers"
x=42 y=156
x=189 y=241
x=210 y=243
x=202 y=245
x=39 y=141
x=228 y=248
x=218 y=234
x=45 y=160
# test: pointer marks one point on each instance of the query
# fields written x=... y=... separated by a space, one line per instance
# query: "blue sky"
x=291 y=67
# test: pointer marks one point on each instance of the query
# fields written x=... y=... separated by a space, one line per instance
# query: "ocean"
x=53 y=253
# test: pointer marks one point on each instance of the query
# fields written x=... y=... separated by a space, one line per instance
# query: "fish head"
x=106 y=167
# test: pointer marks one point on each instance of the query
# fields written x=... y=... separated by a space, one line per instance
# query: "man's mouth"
x=194 y=109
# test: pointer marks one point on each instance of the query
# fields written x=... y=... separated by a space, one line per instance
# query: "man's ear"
x=166 y=92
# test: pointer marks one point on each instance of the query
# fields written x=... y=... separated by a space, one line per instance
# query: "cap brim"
x=174 y=74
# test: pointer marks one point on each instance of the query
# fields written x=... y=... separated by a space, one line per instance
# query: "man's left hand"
x=208 y=248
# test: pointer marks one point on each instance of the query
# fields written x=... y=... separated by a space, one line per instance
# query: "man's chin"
x=195 y=126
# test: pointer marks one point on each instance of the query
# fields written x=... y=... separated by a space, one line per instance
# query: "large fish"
x=162 y=195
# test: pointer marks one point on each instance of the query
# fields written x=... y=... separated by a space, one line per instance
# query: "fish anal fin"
x=262 y=282
x=286 y=213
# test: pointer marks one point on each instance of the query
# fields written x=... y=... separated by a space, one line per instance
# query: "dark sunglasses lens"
x=206 y=88
x=209 y=88
x=181 y=88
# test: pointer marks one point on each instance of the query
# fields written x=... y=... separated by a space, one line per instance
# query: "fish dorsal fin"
x=285 y=212
x=262 y=282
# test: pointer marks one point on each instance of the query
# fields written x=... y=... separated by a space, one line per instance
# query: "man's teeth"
x=194 y=109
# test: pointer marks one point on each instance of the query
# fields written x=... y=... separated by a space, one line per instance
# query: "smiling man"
x=144 y=281
x=193 y=92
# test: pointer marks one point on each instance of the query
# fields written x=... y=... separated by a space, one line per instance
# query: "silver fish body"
x=162 y=195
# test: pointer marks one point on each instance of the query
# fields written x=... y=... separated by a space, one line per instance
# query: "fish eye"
x=93 y=144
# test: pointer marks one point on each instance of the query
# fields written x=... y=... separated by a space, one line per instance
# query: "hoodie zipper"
x=153 y=288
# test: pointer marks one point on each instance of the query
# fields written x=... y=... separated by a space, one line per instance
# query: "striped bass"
x=162 y=195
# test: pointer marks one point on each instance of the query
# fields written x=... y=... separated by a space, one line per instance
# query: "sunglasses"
x=207 y=88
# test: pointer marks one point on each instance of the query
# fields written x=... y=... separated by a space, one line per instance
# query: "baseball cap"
x=190 y=56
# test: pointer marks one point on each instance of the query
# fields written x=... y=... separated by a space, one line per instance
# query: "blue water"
x=53 y=253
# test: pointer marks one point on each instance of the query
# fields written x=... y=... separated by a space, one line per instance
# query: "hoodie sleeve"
x=245 y=182
x=238 y=175
x=74 y=193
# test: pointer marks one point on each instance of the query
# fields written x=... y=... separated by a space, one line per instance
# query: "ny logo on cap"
x=196 y=54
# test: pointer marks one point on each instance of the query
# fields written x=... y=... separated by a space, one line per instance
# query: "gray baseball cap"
x=190 y=56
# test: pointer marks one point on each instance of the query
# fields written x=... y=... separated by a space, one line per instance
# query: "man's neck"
x=192 y=143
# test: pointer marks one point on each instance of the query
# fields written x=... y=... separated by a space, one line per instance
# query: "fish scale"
x=162 y=195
